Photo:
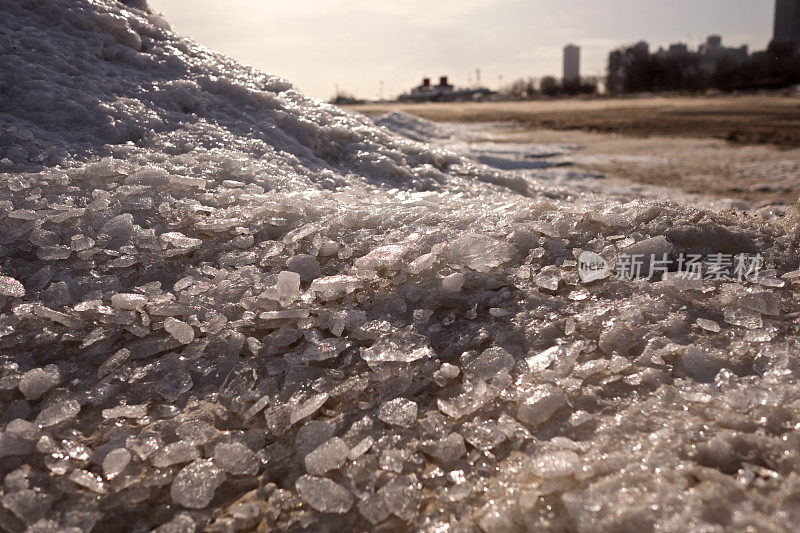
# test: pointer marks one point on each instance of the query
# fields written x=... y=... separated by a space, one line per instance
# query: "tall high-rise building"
x=572 y=63
x=787 y=21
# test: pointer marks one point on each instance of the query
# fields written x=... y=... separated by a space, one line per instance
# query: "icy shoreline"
x=225 y=304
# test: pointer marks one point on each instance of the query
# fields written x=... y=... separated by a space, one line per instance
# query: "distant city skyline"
x=357 y=44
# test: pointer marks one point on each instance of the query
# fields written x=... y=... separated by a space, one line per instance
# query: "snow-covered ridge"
x=223 y=304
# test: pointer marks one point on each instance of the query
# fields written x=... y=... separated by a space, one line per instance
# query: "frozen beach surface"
x=226 y=306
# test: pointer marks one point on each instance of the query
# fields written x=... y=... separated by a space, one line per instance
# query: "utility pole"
x=478 y=77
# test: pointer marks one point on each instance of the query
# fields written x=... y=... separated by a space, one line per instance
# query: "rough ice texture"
x=324 y=495
x=398 y=412
x=194 y=486
x=37 y=381
x=201 y=264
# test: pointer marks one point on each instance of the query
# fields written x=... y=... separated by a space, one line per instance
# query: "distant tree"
x=588 y=85
x=522 y=88
x=549 y=86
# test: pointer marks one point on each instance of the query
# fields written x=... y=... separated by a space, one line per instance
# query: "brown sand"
x=745 y=119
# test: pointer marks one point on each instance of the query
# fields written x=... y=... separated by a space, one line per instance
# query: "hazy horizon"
x=355 y=44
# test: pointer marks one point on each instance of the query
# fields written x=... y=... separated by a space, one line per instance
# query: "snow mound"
x=226 y=306
x=412 y=127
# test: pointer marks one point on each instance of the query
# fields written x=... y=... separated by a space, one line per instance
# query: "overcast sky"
x=317 y=44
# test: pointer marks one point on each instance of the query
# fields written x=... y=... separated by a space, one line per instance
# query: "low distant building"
x=710 y=54
x=444 y=92
x=572 y=64
x=678 y=49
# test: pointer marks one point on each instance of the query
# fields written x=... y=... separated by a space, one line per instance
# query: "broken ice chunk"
x=115 y=462
x=257 y=407
x=328 y=248
x=125 y=411
x=128 y=302
x=88 y=480
x=384 y=257
x=113 y=362
x=373 y=509
x=445 y=373
x=402 y=496
x=540 y=361
x=306 y=266
x=286 y=314
x=402 y=346
x=483 y=435
x=479 y=252
x=746 y=318
x=496 y=520
x=398 y=412
x=183 y=523
x=79 y=243
x=700 y=363
x=556 y=464
x=549 y=278
x=179 y=240
x=447 y=449
x=579 y=418
x=453 y=282
x=56 y=316
x=619 y=338
x=196 y=432
x=391 y=460
x=360 y=448
x=180 y=331
x=708 y=325
x=194 y=486
x=175 y=453
x=334 y=287
x=26 y=504
x=58 y=412
x=144 y=445
x=307 y=408
x=422 y=263
x=11 y=287
x=313 y=434
x=648 y=250
x=236 y=459
x=324 y=495
x=36 y=382
x=188 y=182
x=590 y=368
x=328 y=456
x=324 y=349
x=541 y=405
x=173 y=384
x=489 y=363
x=288 y=286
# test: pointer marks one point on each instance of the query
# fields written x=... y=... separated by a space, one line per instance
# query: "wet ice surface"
x=496 y=145
x=224 y=304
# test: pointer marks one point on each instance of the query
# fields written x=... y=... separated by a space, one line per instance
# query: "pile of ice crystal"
x=225 y=306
